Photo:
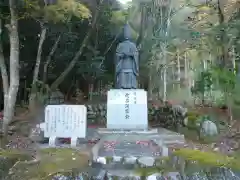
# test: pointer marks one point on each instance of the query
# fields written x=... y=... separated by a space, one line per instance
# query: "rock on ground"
x=208 y=128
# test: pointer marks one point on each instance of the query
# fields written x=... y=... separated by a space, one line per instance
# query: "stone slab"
x=91 y=138
x=132 y=174
x=125 y=146
x=64 y=121
x=166 y=137
x=127 y=109
x=129 y=149
x=161 y=138
x=157 y=134
x=132 y=131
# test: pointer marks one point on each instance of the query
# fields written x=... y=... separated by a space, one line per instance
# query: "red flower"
x=145 y=143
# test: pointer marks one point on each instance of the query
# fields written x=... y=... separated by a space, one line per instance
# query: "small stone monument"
x=208 y=128
x=55 y=98
x=65 y=121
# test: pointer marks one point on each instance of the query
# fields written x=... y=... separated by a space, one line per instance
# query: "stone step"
x=167 y=137
x=133 y=131
x=173 y=142
x=170 y=138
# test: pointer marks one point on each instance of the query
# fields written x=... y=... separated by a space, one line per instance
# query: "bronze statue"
x=127 y=62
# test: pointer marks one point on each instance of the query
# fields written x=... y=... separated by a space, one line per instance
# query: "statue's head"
x=126 y=32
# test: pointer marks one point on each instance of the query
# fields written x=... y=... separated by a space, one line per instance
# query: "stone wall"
x=161 y=115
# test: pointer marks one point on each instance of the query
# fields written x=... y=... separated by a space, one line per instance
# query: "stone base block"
x=168 y=137
x=116 y=140
x=103 y=131
x=53 y=141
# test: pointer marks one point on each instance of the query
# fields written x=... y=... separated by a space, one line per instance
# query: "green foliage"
x=119 y=16
x=203 y=84
x=93 y=66
x=219 y=78
x=109 y=160
x=63 y=10
x=226 y=79
x=195 y=120
x=203 y=118
x=42 y=92
x=219 y=99
x=195 y=34
x=236 y=97
x=192 y=120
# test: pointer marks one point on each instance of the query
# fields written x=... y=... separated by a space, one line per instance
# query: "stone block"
x=127 y=109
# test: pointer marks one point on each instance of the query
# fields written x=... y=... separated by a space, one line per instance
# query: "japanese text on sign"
x=127 y=106
x=65 y=121
x=135 y=98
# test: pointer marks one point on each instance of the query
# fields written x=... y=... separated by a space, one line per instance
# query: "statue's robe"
x=127 y=65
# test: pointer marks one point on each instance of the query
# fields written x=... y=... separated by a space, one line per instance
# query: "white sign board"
x=127 y=109
x=65 y=121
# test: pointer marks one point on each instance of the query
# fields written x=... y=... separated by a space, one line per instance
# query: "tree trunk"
x=142 y=24
x=150 y=86
x=49 y=58
x=160 y=94
x=223 y=38
x=14 y=68
x=204 y=65
x=187 y=74
x=164 y=74
x=33 y=93
x=3 y=69
x=90 y=85
x=173 y=78
x=59 y=80
x=234 y=60
x=185 y=67
x=179 y=71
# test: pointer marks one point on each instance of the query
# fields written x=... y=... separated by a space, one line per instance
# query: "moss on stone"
x=192 y=119
x=193 y=114
x=147 y=171
x=162 y=165
x=8 y=158
x=161 y=160
x=109 y=159
x=53 y=161
x=15 y=154
x=213 y=159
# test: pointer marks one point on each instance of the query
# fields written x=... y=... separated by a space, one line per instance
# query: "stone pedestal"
x=157 y=138
x=127 y=109
x=127 y=143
